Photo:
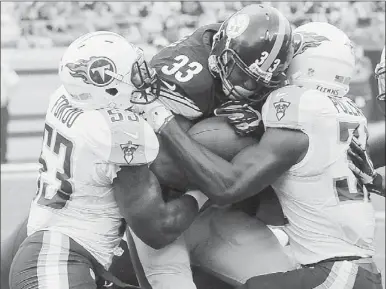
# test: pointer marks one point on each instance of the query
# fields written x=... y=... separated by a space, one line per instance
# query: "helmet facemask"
x=144 y=79
x=243 y=82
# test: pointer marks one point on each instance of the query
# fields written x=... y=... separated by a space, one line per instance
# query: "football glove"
x=155 y=113
x=363 y=168
x=241 y=116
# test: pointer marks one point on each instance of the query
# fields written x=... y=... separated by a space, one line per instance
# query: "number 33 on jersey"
x=183 y=70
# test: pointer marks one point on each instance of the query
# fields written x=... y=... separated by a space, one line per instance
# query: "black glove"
x=241 y=116
x=363 y=168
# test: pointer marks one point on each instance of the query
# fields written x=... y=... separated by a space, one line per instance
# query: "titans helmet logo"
x=97 y=71
x=304 y=40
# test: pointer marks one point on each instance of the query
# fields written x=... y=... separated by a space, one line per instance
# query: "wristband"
x=200 y=198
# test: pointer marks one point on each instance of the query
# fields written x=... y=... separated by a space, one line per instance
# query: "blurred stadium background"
x=35 y=34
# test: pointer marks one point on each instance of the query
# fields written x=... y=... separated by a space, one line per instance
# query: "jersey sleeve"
x=178 y=102
x=295 y=107
x=121 y=137
x=187 y=85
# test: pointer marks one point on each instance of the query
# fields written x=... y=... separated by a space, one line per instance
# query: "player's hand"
x=155 y=113
x=363 y=168
x=241 y=116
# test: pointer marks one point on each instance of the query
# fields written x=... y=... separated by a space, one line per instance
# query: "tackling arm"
x=139 y=198
x=278 y=150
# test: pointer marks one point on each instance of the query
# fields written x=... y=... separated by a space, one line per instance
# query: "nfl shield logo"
x=281 y=106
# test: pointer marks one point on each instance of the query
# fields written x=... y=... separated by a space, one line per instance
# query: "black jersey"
x=184 y=73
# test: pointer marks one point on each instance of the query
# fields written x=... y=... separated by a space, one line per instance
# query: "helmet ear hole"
x=112 y=91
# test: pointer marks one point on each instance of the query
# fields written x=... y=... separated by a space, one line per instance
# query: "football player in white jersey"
x=94 y=176
x=303 y=155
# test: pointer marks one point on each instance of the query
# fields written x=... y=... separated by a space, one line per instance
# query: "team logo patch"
x=96 y=70
x=304 y=40
x=128 y=151
x=281 y=106
x=237 y=25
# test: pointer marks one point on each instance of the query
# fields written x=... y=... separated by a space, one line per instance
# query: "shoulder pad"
x=291 y=106
x=121 y=137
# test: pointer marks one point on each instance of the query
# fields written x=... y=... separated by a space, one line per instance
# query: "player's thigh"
x=238 y=247
x=166 y=268
x=46 y=260
x=343 y=274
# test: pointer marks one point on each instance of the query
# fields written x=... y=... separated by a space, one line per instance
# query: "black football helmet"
x=251 y=52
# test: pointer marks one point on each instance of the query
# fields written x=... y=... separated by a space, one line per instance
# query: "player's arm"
x=139 y=198
x=207 y=171
x=213 y=175
x=278 y=150
x=127 y=145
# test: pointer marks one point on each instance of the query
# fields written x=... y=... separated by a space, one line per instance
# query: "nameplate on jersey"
x=64 y=112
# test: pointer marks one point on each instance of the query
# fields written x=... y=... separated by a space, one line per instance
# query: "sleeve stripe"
x=170 y=97
x=167 y=92
x=176 y=97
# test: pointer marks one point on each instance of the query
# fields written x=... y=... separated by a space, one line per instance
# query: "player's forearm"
x=139 y=198
x=166 y=224
x=209 y=172
x=255 y=178
x=268 y=161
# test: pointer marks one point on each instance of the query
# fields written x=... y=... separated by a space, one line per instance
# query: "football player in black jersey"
x=233 y=66
x=249 y=54
x=201 y=71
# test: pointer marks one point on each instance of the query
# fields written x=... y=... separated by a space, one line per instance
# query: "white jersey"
x=82 y=152
x=329 y=214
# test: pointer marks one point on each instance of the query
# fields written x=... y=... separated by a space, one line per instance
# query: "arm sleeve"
x=121 y=137
x=178 y=103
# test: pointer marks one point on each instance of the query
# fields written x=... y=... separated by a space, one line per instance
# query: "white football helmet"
x=102 y=69
x=380 y=72
x=324 y=59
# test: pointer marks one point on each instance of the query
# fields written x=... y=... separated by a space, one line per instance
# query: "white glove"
x=155 y=113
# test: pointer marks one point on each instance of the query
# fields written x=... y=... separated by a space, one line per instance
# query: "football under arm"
x=207 y=171
x=224 y=183
x=139 y=198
